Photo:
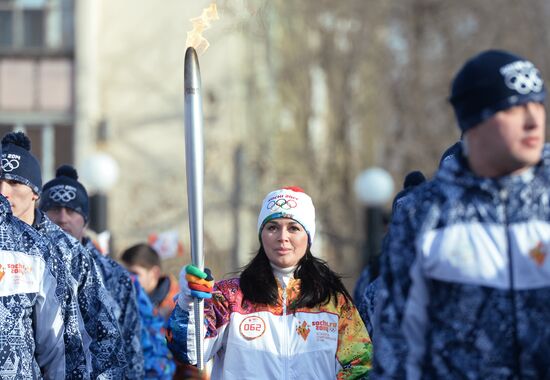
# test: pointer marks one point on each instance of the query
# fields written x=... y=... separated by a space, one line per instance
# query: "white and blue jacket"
x=466 y=279
x=31 y=321
x=119 y=284
x=92 y=336
x=76 y=363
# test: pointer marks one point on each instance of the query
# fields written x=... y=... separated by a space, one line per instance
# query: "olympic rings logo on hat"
x=9 y=165
x=284 y=204
x=61 y=194
x=522 y=77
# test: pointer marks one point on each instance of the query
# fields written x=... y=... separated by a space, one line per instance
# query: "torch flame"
x=200 y=24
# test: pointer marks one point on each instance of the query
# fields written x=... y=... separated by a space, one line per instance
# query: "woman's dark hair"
x=318 y=282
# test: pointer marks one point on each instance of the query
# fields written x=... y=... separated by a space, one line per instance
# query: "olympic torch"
x=194 y=165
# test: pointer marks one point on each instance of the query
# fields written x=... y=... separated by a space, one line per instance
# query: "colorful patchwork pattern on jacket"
x=276 y=334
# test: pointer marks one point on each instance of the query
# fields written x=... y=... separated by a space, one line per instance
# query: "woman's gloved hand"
x=194 y=283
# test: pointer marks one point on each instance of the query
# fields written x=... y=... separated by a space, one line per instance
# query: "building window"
x=29 y=26
x=33 y=23
x=6 y=26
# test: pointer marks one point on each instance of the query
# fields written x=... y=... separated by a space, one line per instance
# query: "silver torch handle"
x=194 y=165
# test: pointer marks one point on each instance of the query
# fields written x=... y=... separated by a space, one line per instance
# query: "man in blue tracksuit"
x=366 y=288
x=92 y=338
x=465 y=268
x=71 y=214
x=31 y=317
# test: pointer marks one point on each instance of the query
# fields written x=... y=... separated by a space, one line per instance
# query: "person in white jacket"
x=288 y=316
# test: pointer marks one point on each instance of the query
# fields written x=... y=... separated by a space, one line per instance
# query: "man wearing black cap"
x=65 y=202
x=366 y=288
x=465 y=275
x=32 y=327
x=87 y=313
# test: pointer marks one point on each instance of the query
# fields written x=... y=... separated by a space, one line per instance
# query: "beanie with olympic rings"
x=18 y=163
x=493 y=81
x=288 y=202
x=65 y=191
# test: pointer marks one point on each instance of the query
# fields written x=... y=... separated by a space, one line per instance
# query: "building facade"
x=37 y=76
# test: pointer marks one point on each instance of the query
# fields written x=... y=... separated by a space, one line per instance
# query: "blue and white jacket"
x=93 y=321
x=364 y=296
x=365 y=293
x=76 y=351
x=466 y=279
x=158 y=360
x=31 y=321
x=119 y=284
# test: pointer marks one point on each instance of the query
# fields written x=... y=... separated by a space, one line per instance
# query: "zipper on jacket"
x=517 y=365
x=285 y=334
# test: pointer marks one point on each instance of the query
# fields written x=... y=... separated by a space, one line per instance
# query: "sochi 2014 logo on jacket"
x=538 y=254
x=303 y=330
x=321 y=330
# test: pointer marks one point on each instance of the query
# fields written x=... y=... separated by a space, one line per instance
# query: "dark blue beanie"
x=18 y=163
x=413 y=179
x=492 y=81
x=65 y=191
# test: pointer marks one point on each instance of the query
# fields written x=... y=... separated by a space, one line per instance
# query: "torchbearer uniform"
x=281 y=337
x=253 y=341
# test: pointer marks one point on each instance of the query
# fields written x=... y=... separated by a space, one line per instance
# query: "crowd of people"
x=457 y=292
x=68 y=310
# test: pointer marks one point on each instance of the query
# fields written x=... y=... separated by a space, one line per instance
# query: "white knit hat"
x=289 y=202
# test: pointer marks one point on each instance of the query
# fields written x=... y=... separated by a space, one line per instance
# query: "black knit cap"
x=413 y=179
x=492 y=81
x=18 y=163
x=65 y=191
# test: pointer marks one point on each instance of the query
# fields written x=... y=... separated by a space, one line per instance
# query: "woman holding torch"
x=287 y=316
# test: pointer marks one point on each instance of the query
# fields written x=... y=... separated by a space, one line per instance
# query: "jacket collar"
x=5 y=208
x=455 y=170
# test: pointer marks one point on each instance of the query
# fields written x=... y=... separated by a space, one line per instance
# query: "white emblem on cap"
x=522 y=76
x=252 y=327
x=10 y=163
x=62 y=193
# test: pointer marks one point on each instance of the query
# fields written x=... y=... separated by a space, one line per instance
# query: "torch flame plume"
x=200 y=24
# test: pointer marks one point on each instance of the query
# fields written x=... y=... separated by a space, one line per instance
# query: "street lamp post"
x=374 y=188
x=100 y=172
x=98 y=212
